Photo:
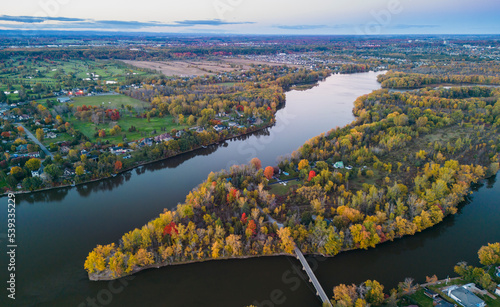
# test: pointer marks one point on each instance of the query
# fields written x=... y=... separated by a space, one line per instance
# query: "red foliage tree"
x=232 y=195
x=172 y=227
x=118 y=165
x=252 y=226
x=244 y=218
x=312 y=174
x=269 y=172
x=256 y=163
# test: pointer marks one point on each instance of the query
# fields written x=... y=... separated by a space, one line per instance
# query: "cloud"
x=210 y=22
x=25 y=22
x=33 y=19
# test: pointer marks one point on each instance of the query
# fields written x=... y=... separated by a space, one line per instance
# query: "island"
x=405 y=164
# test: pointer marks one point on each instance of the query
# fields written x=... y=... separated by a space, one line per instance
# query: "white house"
x=464 y=297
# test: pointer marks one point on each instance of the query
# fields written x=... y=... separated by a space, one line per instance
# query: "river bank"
x=264 y=126
x=51 y=274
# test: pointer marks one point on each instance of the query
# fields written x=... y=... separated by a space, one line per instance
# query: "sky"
x=308 y=17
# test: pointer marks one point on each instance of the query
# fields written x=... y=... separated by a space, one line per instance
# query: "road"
x=34 y=139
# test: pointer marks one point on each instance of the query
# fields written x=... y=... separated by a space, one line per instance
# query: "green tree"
x=79 y=170
x=53 y=171
x=374 y=292
x=33 y=164
x=40 y=134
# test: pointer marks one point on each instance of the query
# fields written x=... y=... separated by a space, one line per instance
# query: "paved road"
x=34 y=139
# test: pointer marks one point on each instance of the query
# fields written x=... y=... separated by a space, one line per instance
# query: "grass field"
x=421 y=299
x=125 y=123
x=279 y=189
x=116 y=101
x=45 y=71
x=61 y=137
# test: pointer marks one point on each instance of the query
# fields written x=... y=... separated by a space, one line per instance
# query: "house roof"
x=467 y=298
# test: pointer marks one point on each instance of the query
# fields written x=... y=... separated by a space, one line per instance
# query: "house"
x=38 y=172
x=464 y=297
x=68 y=172
x=114 y=150
x=163 y=137
x=34 y=154
x=430 y=293
x=64 y=149
x=180 y=133
x=63 y=99
x=22 y=148
x=218 y=128
x=440 y=302
x=51 y=135
x=497 y=290
x=338 y=164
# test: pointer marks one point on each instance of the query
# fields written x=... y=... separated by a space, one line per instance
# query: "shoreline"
x=136 y=166
x=107 y=276
x=163 y=264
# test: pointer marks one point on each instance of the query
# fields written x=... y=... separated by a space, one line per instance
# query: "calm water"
x=57 y=229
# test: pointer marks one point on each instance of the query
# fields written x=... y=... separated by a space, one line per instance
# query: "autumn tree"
x=40 y=134
x=303 y=164
x=287 y=243
x=374 y=292
x=345 y=295
x=118 y=165
x=490 y=254
x=144 y=257
x=79 y=170
x=269 y=172
x=255 y=162
x=17 y=172
x=33 y=164
x=312 y=174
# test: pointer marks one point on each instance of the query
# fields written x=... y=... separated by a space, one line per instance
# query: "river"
x=56 y=229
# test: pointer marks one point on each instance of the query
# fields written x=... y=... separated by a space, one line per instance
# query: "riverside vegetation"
x=411 y=159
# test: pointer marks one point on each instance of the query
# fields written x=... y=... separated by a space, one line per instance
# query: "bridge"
x=312 y=278
x=305 y=266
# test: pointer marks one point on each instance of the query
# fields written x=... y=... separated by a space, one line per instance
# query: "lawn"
x=125 y=123
x=421 y=299
x=279 y=189
x=116 y=101
x=61 y=137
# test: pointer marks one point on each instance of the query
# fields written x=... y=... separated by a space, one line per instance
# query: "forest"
x=411 y=156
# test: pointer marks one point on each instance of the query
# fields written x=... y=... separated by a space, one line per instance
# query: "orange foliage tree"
x=256 y=163
x=269 y=172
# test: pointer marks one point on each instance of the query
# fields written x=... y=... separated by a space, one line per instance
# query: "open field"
x=279 y=189
x=198 y=68
x=142 y=125
x=110 y=101
x=53 y=71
